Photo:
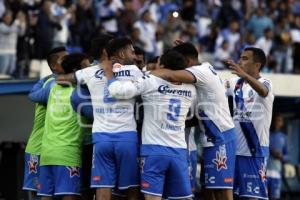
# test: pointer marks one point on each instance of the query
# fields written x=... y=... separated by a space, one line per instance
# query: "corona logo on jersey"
x=221 y=158
x=74 y=171
x=164 y=89
x=33 y=164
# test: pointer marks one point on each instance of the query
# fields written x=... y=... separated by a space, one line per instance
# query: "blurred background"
x=219 y=29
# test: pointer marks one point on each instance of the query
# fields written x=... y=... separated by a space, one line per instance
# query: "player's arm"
x=192 y=119
x=259 y=87
x=66 y=79
x=81 y=102
x=40 y=93
x=182 y=76
x=38 y=86
x=118 y=89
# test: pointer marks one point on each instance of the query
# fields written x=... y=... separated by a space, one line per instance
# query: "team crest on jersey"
x=250 y=96
x=33 y=164
x=263 y=172
x=74 y=171
x=221 y=158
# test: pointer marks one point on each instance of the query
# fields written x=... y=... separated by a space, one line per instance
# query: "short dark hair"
x=98 y=44
x=138 y=51
x=258 y=56
x=188 y=50
x=52 y=55
x=173 y=60
x=116 y=45
x=153 y=60
x=71 y=62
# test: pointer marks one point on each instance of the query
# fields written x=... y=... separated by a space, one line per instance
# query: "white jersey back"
x=252 y=116
x=110 y=115
x=165 y=109
x=216 y=122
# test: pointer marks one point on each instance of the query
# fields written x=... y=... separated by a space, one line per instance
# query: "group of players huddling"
x=154 y=162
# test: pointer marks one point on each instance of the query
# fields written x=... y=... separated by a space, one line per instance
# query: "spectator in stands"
x=63 y=16
x=109 y=11
x=127 y=18
x=2 y=8
x=147 y=29
x=265 y=43
x=232 y=35
x=188 y=11
x=295 y=34
x=154 y=25
x=135 y=37
x=83 y=25
x=190 y=33
x=278 y=155
x=46 y=25
x=283 y=53
x=221 y=55
x=173 y=26
x=9 y=31
x=259 y=22
x=226 y=14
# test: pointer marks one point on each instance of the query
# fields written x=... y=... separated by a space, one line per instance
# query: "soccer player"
x=114 y=129
x=164 y=149
x=253 y=102
x=219 y=135
x=60 y=170
x=278 y=155
x=33 y=147
x=81 y=103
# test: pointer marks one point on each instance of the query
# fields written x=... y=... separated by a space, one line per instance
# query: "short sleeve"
x=84 y=75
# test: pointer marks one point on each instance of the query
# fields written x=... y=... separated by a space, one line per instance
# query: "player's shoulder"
x=151 y=79
x=91 y=70
x=266 y=82
x=127 y=67
x=264 y=79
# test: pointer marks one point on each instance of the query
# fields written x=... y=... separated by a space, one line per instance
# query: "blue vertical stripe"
x=247 y=126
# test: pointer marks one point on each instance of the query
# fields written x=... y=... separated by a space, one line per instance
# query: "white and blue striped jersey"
x=166 y=106
x=110 y=115
x=252 y=116
x=212 y=107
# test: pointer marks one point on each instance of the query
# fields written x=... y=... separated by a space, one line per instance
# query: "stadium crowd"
x=219 y=29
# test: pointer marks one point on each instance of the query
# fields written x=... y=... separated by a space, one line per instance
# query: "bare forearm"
x=66 y=79
x=174 y=76
x=257 y=86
